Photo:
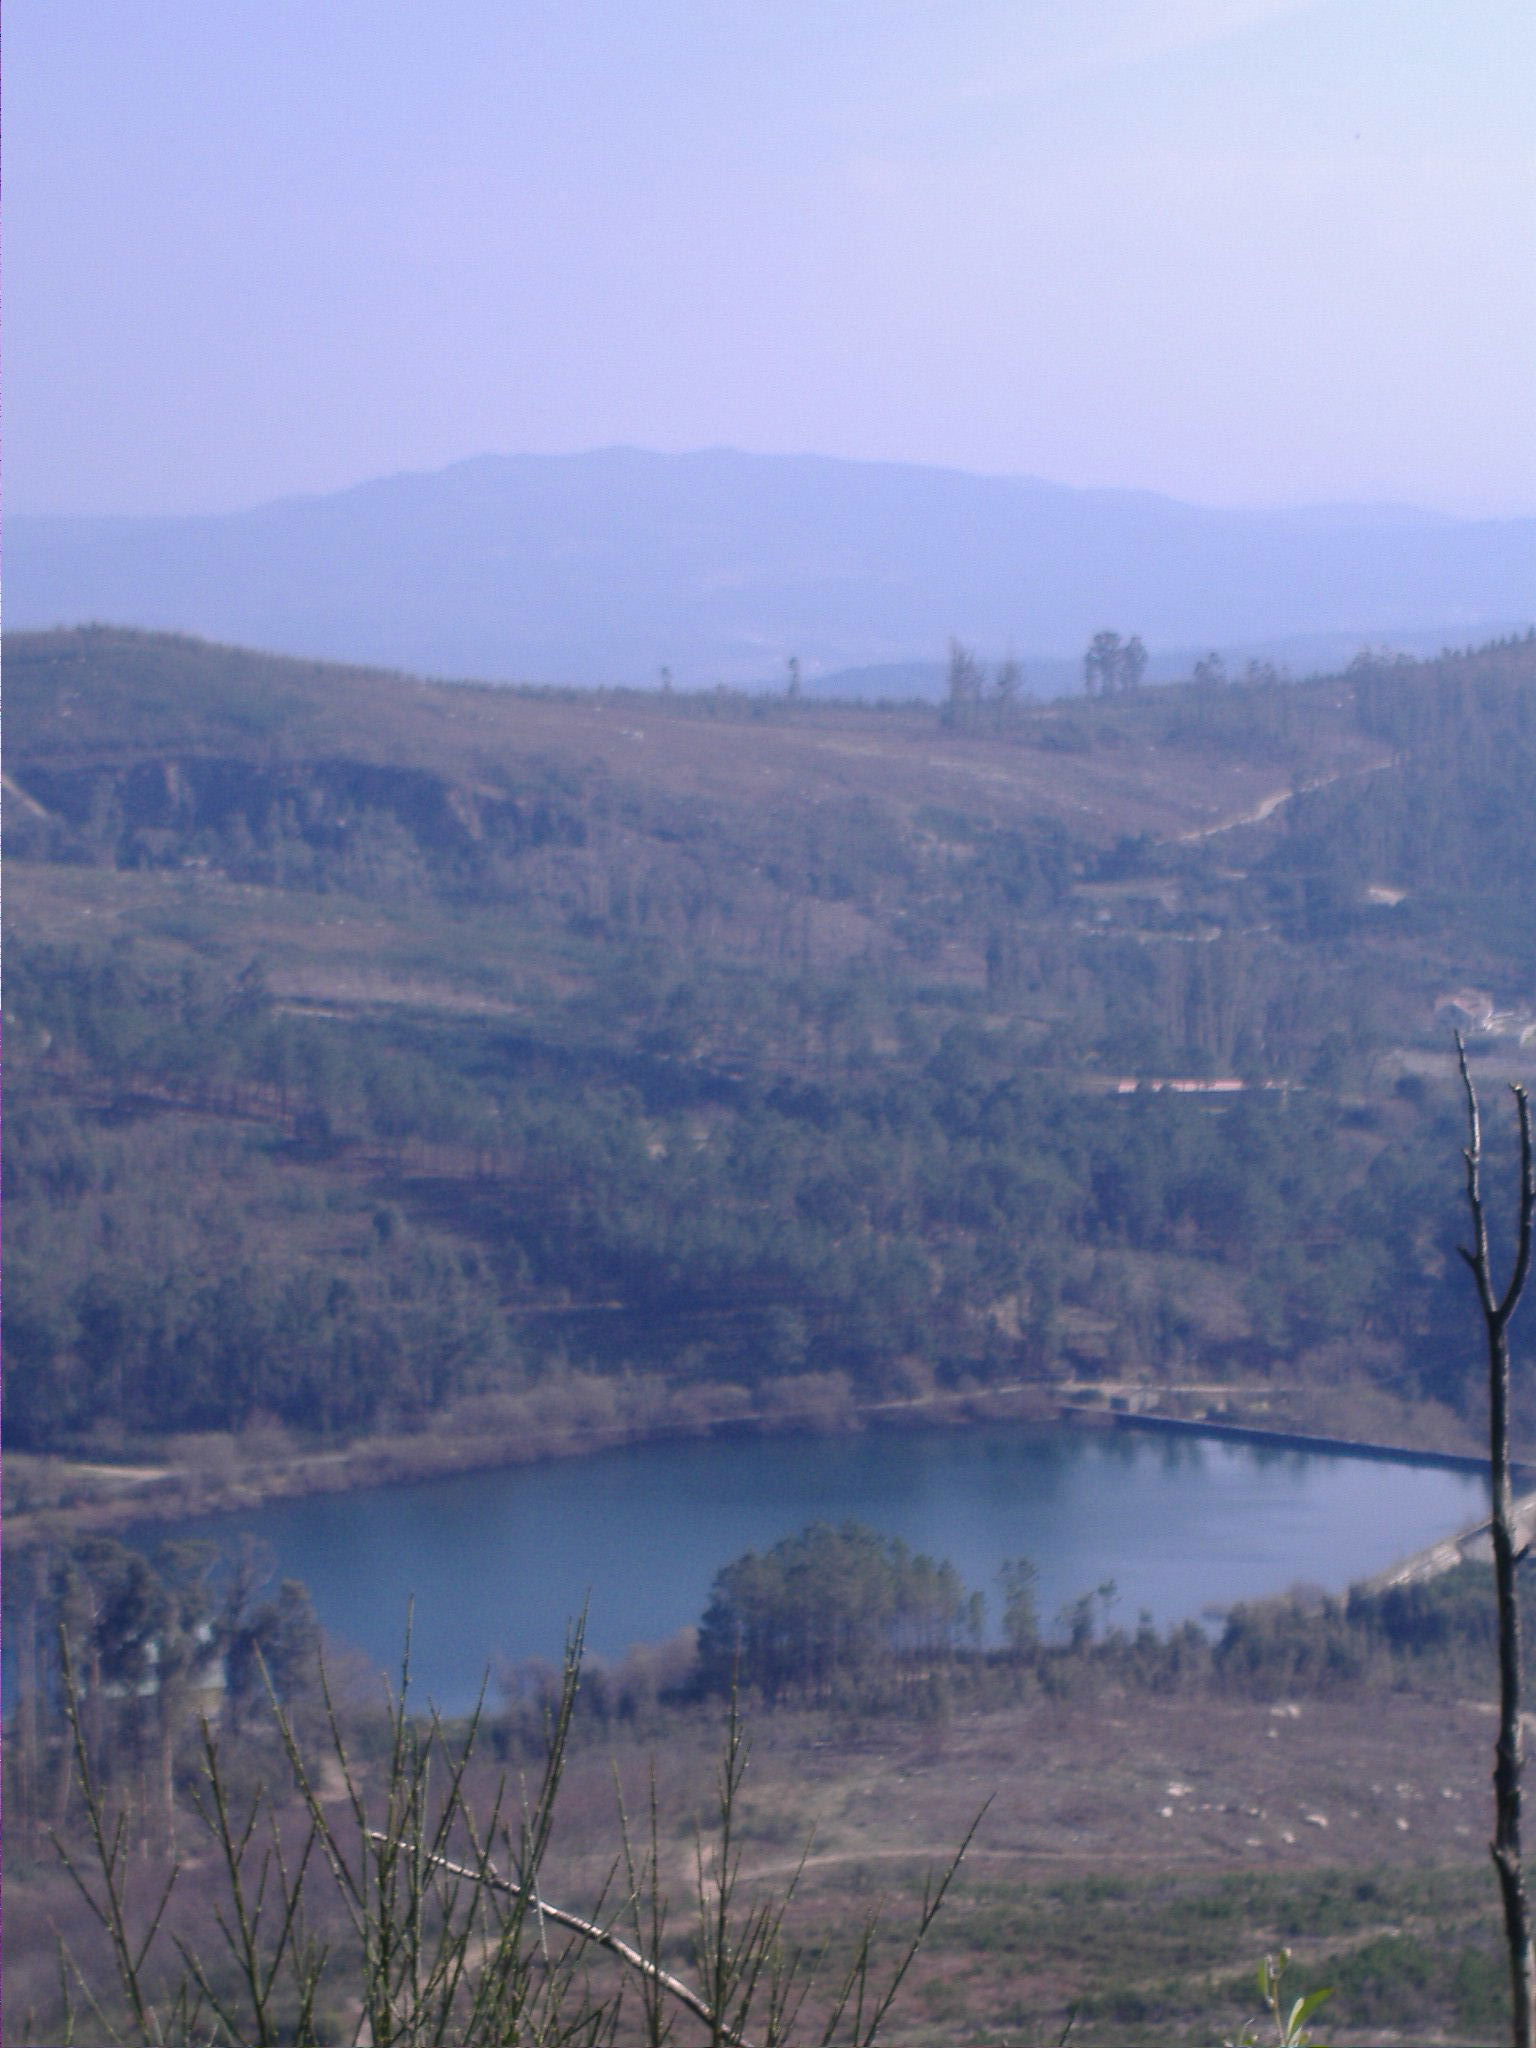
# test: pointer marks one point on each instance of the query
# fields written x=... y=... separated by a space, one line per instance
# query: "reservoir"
x=498 y=1563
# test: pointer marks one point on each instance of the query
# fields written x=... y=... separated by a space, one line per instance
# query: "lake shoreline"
x=101 y=1497
x=94 y=1498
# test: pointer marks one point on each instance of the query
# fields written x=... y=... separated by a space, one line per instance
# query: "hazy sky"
x=1243 y=251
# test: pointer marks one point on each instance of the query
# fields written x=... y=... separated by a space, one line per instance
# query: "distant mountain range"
x=611 y=566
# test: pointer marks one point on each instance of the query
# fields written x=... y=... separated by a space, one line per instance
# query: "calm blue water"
x=499 y=1562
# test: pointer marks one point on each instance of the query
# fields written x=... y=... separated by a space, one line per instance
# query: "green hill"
x=381 y=1048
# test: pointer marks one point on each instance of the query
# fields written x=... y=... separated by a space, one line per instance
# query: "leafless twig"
x=589 y=1931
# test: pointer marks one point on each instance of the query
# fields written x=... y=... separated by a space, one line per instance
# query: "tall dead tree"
x=1508 y=1549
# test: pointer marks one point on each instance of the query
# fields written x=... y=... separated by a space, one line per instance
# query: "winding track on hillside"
x=1267 y=806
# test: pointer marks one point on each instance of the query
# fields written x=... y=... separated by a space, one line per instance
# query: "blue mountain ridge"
x=607 y=566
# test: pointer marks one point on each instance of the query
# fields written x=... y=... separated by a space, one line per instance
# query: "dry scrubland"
x=1136 y=1856
x=1136 y=1859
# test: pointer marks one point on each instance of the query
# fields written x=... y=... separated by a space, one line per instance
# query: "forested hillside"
x=383 y=1050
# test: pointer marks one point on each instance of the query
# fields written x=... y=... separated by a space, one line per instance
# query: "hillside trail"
x=1267 y=806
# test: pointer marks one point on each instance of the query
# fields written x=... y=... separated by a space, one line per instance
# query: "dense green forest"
x=383 y=1050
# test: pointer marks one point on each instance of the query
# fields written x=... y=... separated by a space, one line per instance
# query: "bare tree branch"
x=589 y=1931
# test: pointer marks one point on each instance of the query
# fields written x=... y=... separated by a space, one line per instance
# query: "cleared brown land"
x=1135 y=1859
x=1134 y=1853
